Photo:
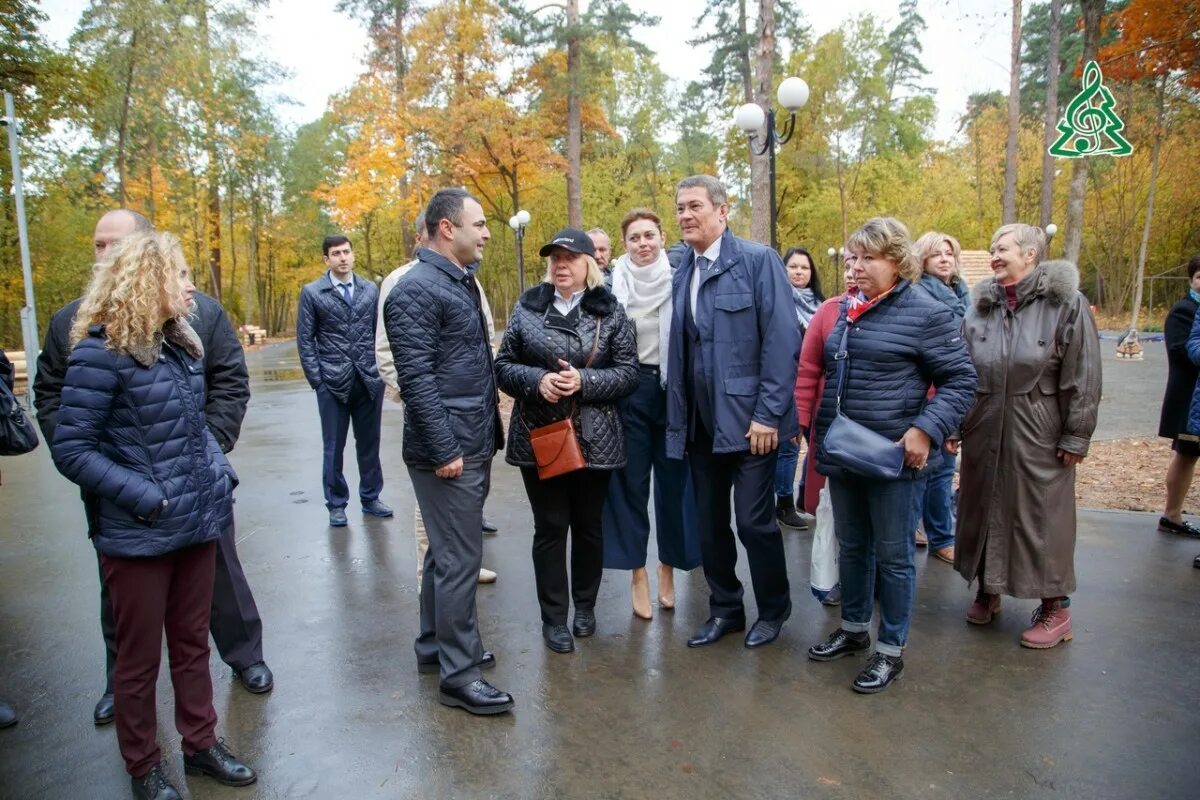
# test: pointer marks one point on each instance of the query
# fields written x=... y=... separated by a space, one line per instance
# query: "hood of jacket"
x=1057 y=280
x=597 y=301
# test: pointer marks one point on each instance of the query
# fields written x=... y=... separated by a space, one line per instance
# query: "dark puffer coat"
x=1181 y=372
x=131 y=433
x=537 y=337
x=898 y=349
x=336 y=340
x=439 y=342
x=226 y=382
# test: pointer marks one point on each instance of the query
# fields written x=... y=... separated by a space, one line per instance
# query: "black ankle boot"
x=218 y=763
x=785 y=512
x=154 y=786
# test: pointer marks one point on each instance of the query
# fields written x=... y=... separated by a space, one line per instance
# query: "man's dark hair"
x=1193 y=267
x=332 y=242
x=446 y=204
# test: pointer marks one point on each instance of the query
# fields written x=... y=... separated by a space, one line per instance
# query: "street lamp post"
x=518 y=222
x=793 y=94
x=832 y=253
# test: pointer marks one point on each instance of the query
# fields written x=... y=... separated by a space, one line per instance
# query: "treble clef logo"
x=1090 y=126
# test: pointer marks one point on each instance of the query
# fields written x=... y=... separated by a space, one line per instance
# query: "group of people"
x=693 y=374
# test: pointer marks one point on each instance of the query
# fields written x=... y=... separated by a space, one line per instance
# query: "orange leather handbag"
x=556 y=446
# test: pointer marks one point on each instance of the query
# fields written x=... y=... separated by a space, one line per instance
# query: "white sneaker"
x=486 y=576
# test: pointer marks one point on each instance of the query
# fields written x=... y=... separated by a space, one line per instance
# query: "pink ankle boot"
x=1051 y=624
x=983 y=609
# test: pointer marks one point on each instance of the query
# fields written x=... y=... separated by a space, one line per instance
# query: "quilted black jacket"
x=536 y=338
x=443 y=365
x=336 y=339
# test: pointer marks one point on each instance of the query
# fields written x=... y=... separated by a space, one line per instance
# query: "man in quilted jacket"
x=443 y=361
x=335 y=334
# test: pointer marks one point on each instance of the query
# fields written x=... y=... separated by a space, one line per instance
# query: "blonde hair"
x=887 y=237
x=1027 y=237
x=930 y=241
x=594 y=276
x=138 y=277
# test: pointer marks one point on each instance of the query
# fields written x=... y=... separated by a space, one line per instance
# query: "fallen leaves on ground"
x=1128 y=475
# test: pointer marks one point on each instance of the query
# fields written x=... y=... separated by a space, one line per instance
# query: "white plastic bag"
x=824 y=549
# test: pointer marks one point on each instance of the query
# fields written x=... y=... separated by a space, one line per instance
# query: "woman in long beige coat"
x=1033 y=340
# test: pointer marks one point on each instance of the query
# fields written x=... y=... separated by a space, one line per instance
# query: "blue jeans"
x=874 y=521
x=935 y=507
x=785 y=469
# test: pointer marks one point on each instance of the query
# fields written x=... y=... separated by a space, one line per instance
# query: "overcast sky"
x=965 y=47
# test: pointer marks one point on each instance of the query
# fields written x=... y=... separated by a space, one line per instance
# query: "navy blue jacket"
x=750 y=343
x=336 y=340
x=897 y=350
x=1193 y=351
x=131 y=433
x=955 y=297
x=443 y=364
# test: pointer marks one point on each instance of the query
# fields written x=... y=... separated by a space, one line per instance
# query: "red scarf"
x=859 y=304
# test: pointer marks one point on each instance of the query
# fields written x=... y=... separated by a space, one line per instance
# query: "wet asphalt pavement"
x=632 y=713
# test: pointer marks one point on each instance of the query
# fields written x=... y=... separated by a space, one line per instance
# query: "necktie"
x=703 y=263
x=345 y=287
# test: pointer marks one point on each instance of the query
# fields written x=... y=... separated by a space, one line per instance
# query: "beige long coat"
x=1038 y=392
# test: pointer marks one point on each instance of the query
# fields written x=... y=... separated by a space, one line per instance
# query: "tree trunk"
x=1093 y=12
x=574 y=120
x=760 y=178
x=1014 y=119
x=123 y=125
x=213 y=173
x=1155 y=149
x=229 y=204
x=1052 y=68
x=744 y=56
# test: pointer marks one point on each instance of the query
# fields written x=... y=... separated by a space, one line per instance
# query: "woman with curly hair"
x=158 y=492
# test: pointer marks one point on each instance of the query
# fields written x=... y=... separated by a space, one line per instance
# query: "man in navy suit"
x=731 y=374
x=335 y=334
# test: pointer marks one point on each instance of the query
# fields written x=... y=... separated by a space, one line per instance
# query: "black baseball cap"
x=571 y=239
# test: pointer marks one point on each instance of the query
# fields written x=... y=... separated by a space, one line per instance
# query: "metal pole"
x=771 y=149
x=29 y=330
x=520 y=260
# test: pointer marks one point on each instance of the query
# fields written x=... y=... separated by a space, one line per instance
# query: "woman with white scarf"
x=642 y=284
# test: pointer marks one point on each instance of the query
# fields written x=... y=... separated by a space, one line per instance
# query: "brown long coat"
x=1038 y=392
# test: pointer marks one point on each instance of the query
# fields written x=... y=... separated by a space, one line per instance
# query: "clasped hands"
x=554 y=386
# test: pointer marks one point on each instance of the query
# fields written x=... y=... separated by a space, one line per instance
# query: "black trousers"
x=569 y=503
x=235 y=624
x=751 y=479
x=364 y=410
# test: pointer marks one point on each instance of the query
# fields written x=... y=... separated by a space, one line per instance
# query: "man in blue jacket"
x=335 y=334
x=732 y=371
x=438 y=337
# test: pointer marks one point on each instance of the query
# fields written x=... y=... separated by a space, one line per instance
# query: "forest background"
x=163 y=106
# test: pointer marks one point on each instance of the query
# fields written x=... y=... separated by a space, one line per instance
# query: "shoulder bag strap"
x=842 y=356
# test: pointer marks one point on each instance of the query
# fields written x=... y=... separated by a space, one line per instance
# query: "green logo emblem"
x=1090 y=127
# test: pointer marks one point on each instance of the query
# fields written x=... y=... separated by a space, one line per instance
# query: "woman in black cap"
x=569 y=353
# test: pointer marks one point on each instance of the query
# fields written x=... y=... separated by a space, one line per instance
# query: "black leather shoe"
x=377 y=509
x=429 y=667
x=104 y=711
x=257 y=678
x=716 y=627
x=558 y=638
x=764 y=632
x=489 y=526
x=584 y=624
x=8 y=716
x=879 y=673
x=786 y=514
x=218 y=763
x=154 y=786
x=840 y=644
x=478 y=697
x=337 y=518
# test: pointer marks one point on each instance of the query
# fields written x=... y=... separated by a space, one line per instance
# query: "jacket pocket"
x=736 y=301
x=744 y=386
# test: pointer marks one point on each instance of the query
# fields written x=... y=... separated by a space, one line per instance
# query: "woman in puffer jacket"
x=569 y=350
x=131 y=433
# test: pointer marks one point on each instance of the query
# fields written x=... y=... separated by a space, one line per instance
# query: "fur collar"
x=597 y=301
x=175 y=331
x=1056 y=280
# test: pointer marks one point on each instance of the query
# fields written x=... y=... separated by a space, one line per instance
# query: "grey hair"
x=715 y=189
x=1027 y=237
x=599 y=230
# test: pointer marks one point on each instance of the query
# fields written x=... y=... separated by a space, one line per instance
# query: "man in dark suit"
x=335 y=334
x=235 y=623
x=731 y=373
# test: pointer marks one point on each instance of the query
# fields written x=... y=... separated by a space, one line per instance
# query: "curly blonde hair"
x=928 y=244
x=139 y=285
x=887 y=237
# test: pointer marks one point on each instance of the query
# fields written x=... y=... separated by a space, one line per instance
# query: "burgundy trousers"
x=171 y=592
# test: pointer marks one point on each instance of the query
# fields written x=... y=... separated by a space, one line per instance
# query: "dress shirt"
x=713 y=253
x=564 y=306
x=339 y=284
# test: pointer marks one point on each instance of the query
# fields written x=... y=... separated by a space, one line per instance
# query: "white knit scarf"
x=641 y=290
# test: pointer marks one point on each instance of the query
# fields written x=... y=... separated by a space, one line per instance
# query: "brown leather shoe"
x=945 y=554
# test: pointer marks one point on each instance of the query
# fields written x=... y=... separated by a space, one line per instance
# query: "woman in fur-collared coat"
x=1034 y=343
